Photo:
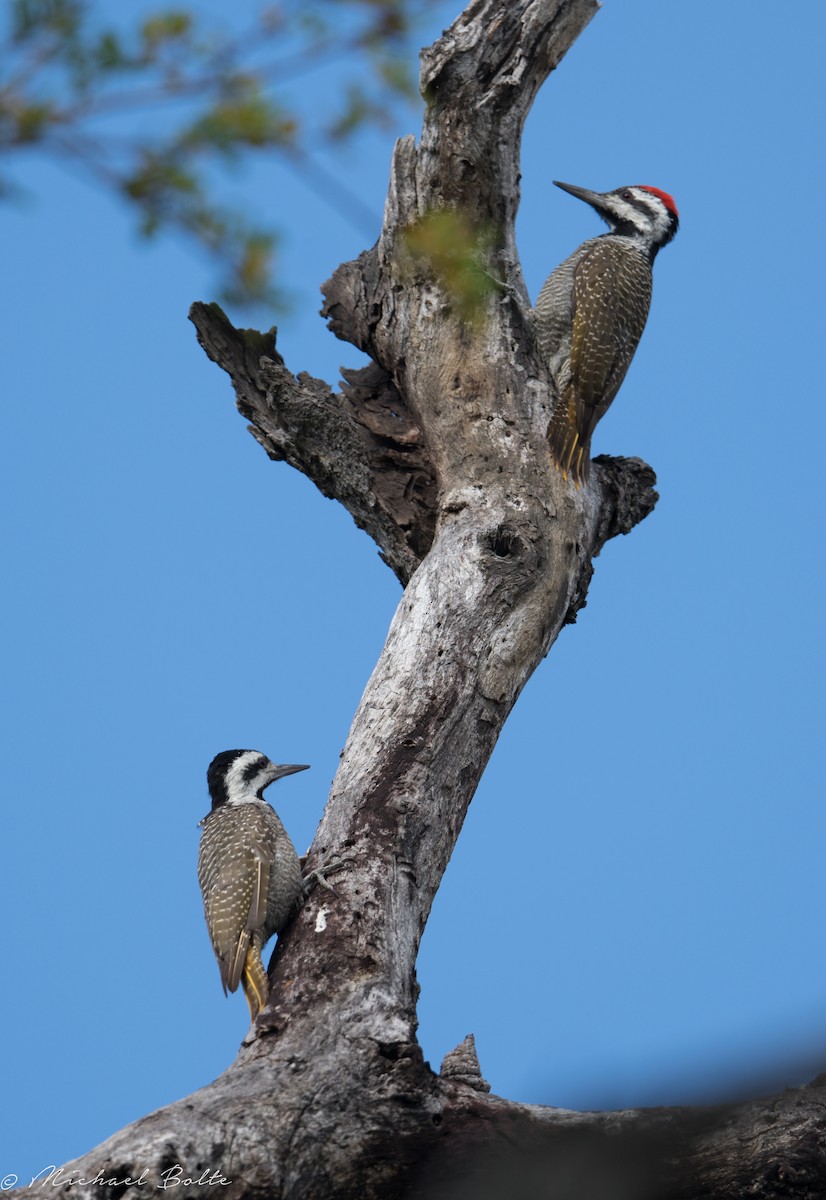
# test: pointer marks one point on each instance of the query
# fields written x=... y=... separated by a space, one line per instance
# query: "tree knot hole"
x=504 y=542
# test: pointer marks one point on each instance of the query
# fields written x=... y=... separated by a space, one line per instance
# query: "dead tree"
x=438 y=451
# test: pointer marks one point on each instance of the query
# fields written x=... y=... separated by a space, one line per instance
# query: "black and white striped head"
x=240 y=776
x=636 y=211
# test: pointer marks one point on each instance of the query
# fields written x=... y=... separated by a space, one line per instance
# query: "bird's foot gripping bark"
x=319 y=875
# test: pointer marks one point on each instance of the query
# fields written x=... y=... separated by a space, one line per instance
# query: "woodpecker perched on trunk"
x=592 y=310
x=248 y=869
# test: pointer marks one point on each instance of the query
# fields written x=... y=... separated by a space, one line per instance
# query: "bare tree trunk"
x=438 y=450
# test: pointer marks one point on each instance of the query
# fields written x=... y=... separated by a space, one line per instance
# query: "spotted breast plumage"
x=248 y=869
x=592 y=310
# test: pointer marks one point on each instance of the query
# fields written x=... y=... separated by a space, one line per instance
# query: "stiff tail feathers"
x=568 y=452
x=255 y=981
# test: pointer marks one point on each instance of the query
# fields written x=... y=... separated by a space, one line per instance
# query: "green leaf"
x=253 y=271
x=109 y=54
x=165 y=27
x=447 y=243
x=398 y=76
x=232 y=124
x=159 y=178
x=30 y=122
x=32 y=17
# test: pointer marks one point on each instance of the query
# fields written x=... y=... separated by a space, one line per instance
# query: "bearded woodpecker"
x=248 y=869
x=592 y=310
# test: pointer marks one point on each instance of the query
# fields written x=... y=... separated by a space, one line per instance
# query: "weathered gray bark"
x=438 y=450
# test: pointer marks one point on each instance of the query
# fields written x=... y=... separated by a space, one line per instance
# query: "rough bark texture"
x=438 y=450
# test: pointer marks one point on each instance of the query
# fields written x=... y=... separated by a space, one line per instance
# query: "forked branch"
x=438 y=450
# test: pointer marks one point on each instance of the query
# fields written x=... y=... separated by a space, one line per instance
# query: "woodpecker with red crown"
x=592 y=310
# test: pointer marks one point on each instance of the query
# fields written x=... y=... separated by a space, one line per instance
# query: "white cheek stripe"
x=655 y=219
x=627 y=212
x=239 y=791
x=660 y=220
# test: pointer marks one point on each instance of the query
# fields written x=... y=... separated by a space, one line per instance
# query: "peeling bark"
x=438 y=450
x=359 y=446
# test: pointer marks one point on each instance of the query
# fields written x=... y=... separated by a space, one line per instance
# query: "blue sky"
x=634 y=911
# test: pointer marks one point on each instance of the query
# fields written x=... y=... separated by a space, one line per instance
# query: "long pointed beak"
x=289 y=769
x=595 y=199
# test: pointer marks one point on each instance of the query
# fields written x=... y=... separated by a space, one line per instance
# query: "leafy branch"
x=150 y=109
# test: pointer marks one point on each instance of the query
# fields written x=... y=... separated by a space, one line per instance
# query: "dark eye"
x=626 y=195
